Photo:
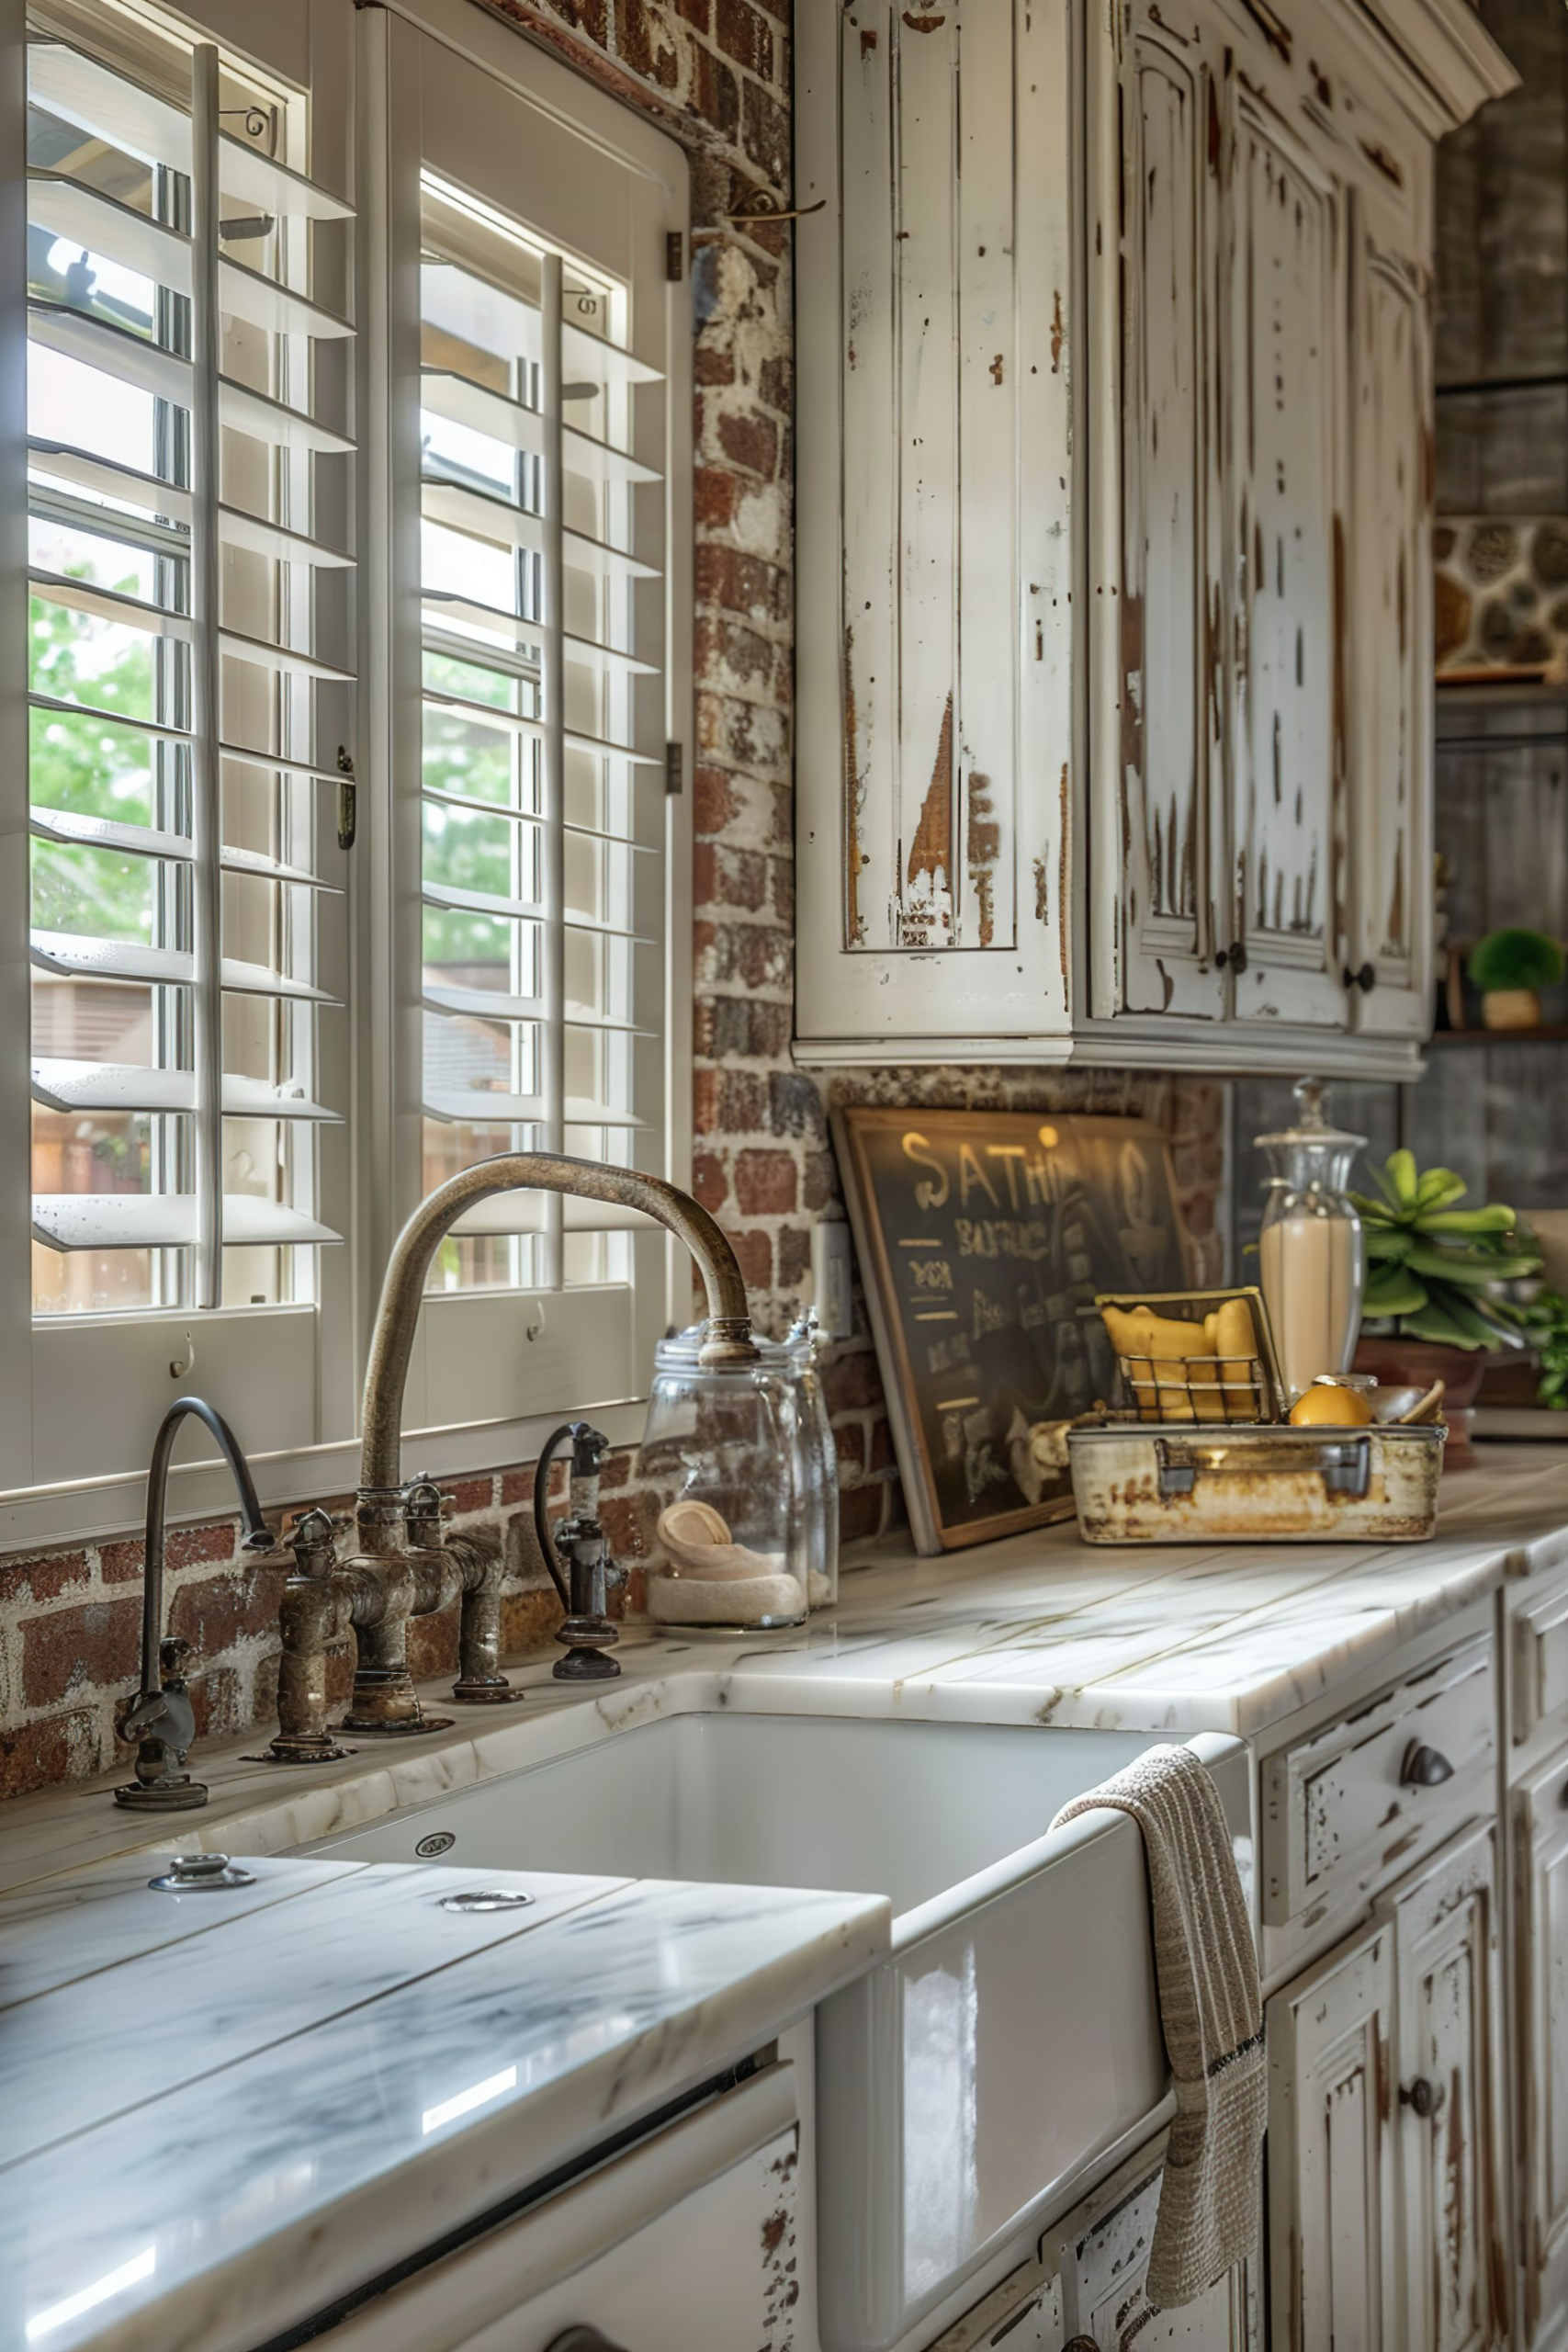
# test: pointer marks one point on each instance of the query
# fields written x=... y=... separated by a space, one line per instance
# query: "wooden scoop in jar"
x=698 y=1541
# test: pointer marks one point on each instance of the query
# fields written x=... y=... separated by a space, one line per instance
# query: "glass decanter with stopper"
x=1312 y=1251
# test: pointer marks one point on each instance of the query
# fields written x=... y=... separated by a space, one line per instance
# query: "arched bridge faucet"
x=402 y=1566
x=161 y=1715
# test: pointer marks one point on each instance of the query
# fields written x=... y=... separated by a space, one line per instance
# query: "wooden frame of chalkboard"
x=983 y=1237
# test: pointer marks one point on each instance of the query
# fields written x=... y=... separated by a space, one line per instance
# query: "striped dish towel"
x=1211 y=2010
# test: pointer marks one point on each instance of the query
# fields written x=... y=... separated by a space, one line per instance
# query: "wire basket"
x=1200 y=1386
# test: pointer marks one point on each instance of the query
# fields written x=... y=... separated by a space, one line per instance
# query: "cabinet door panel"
x=1331 y=2183
x=1391 y=877
x=1540 y=1894
x=1449 y=2054
x=1156 y=614
x=936 y=717
x=1104 y=2261
x=1284 y=385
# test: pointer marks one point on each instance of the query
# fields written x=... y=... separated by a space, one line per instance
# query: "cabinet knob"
x=1081 y=2344
x=1366 y=979
x=1421 y=2096
x=1424 y=1767
x=1234 y=956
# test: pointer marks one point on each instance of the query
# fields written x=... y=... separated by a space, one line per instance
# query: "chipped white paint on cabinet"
x=1331 y=2181
x=1104 y=2258
x=1284 y=399
x=1391 y=870
x=1155 y=616
x=936 y=692
x=1449 y=2100
x=1540 y=1924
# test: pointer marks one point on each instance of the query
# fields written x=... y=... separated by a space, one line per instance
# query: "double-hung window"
x=345 y=642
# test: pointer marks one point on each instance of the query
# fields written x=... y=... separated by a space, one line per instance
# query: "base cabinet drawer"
x=1539 y=1677
x=1102 y=2259
x=1353 y=1805
x=687 y=2243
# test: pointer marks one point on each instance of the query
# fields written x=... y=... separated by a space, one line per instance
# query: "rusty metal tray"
x=1377 y=1485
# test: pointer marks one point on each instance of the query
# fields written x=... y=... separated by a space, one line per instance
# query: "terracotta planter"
x=1509 y=1009
x=1415 y=1364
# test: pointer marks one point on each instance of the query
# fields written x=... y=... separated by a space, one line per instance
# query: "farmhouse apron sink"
x=1013 y=2034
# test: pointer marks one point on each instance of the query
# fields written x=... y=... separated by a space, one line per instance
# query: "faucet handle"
x=313 y=1539
x=173 y=1652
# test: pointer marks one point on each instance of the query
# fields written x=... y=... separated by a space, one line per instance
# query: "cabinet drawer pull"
x=1234 y=956
x=1422 y=2098
x=1366 y=979
x=583 y=2336
x=1424 y=1767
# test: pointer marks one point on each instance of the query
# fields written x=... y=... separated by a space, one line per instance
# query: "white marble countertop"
x=607 y=1997
x=220 y=2111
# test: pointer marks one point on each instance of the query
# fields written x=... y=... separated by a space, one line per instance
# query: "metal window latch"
x=348 y=800
x=674 y=255
x=675 y=768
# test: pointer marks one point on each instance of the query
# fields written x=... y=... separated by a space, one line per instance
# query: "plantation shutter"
x=189 y=447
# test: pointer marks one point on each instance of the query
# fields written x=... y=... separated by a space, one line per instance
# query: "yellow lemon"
x=1329 y=1407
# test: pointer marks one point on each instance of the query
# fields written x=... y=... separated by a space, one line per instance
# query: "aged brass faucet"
x=403 y=1565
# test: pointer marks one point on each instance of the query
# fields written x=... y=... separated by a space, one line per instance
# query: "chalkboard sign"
x=982 y=1235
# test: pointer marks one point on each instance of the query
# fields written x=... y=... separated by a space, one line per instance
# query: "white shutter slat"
x=587 y=652
x=284 y=660
x=476 y=1106
x=290 y=429
x=258 y=537
x=60 y=462
x=482 y=515
x=107 y=106
x=511 y=722
x=125 y=1087
x=151 y=729
x=113 y=351
x=84 y=958
x=525 y=1213
x=276 y=309
x=72 y=830
x=116 y=231
x=166 y=1221
x=491 y=902
x=111 y=959
x=257 y=178
x=111 y=604
x=460 y=401
x=532 y=817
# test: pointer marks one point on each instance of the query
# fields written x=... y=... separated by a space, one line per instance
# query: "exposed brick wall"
x=717 y=72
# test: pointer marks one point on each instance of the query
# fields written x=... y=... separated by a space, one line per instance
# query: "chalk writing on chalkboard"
x=982 y=1235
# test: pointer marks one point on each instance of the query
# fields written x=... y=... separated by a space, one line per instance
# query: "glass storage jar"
x=731 y=1462
x=1312 y=1251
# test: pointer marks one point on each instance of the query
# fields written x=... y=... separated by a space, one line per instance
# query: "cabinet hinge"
x=674 y=767
x=675 y=256
x=348 y=799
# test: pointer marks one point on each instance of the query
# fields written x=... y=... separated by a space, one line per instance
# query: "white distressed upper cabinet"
x=1113 y=633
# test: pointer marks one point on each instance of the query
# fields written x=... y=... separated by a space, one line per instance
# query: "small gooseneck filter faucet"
x=403 y=1564
x=161 y=1717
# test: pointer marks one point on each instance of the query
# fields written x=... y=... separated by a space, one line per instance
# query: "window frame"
x=274 y=1368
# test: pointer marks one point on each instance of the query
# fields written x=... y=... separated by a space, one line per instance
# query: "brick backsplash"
x=717 y=73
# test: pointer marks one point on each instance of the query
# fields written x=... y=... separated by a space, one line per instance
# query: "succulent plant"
x=1435 y=1270
x=1516 y=959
